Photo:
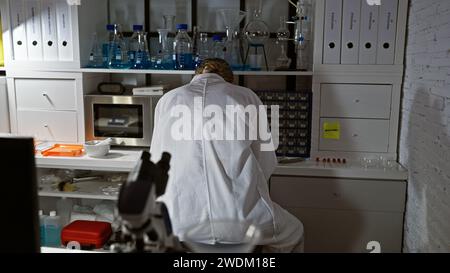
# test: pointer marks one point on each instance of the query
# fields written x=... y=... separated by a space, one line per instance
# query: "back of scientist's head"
x=217 y=66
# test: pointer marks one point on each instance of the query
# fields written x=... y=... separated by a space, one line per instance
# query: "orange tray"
x=69 y=150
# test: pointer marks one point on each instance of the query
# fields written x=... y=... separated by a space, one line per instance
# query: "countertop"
x=125 y=160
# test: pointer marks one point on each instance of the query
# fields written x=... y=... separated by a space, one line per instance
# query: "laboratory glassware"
x=232 y=18
x=96 y=53
x=183 y=47
x=118 y=54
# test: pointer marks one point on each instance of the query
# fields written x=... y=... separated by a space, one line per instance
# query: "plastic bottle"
x=64 y=210
x=203 y=51
x=118 y=53
x=53 y=230
x=42 y=227
x=183 y=49
x=218 y=47
x=139 y=54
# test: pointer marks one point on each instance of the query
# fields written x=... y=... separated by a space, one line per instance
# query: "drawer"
x=48 y=125
x=357 y=135
x=349 y=231
x=356 y=101
x=50 y=95
x=338 y=194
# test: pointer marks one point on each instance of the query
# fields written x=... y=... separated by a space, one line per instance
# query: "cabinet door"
x=344 y=215
x=356 y=101
x=356 y=135
x=37 y=94
x=345 y=231
x=48 y=126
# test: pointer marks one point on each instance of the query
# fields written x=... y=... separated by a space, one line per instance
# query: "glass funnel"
x=231 y=19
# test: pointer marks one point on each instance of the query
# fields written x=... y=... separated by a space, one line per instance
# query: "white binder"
x=333 y=27
x=387 y=32
x=351 y=21
x=33 y=29
x=64 y=26
x=49 y=30
x=19 y=35
x=368 y=34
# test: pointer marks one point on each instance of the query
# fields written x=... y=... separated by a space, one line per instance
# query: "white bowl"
x=96 y=149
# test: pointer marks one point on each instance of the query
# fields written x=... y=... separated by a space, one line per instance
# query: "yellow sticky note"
x=332 y=130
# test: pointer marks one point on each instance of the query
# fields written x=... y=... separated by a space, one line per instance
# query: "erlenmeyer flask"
x=96 y=54
x=164 y=58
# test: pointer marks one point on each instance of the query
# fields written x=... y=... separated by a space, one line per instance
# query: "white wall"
x=425 y=127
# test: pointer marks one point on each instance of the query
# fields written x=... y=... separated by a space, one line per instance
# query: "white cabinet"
x=46 y=94
x=48 y=125
x=356 y=101
x=344 y=215
x=4 y=109
x=356 y=135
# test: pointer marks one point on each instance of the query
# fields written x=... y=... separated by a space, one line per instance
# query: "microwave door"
x=127 y=120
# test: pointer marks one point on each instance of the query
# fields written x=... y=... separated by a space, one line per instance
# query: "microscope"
x=144 y=222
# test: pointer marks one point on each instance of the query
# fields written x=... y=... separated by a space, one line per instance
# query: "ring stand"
x=256 y=46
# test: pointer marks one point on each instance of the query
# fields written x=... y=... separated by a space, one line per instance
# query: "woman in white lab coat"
x=212 y=180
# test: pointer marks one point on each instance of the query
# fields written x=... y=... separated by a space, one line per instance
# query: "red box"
x=87 y=233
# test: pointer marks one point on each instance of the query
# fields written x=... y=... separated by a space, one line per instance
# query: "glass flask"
x=96 y=54
x=164 y=58
x=257 y=31
x=283 y=33
x=203 y=50
x=142 y=54
x=118 y=54
x=231 y=19
x=283 y=61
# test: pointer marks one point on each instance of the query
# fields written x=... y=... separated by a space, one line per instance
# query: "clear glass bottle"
x=107 y=44
x=64 y=210
x=118 y=53
x=96 y=54
x=183 y=49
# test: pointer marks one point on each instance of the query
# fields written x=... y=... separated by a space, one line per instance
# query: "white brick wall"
x=425 y=127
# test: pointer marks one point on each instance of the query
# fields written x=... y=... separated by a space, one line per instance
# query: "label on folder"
x=332 y=130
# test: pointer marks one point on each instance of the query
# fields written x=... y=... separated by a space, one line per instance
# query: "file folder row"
x=358 y=33
x=41 y=30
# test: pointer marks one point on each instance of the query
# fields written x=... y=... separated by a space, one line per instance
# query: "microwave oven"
x=127 y=120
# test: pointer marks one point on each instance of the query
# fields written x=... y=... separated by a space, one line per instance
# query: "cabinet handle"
x=46 y=125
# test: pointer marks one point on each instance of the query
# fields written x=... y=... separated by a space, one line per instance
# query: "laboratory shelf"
x=83 y=190
x=115 y=161
x=182 y=72
x=75 y=195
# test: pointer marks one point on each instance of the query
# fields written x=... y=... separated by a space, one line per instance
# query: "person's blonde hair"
x=217 y=66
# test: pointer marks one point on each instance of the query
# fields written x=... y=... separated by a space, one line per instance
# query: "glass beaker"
x=231 y=19
x=168 y=22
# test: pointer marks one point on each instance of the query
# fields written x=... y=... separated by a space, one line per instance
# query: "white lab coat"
x=216 y=181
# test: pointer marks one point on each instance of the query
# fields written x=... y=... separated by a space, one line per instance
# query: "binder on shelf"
x=351 y=21
x=33 y=29
x=368 y=34
x=49 y=30
x=387 y=32
x=17 y=12
x=333 y=28
x=64 y=27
